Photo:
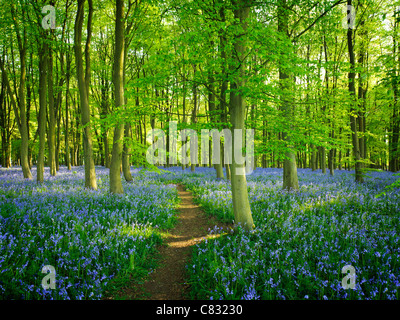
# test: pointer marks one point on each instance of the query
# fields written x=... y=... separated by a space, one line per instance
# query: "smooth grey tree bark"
x=353 y=119
x=237 y=108
x=290 y=179
x=118 y=80
x=83 y=76
x=43 y=64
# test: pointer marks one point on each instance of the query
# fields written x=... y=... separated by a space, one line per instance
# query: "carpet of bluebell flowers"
x=300 y=244
x=302 y=240
x=89 y=237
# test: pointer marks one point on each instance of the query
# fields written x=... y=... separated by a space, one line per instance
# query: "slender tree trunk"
x=76 y=135
x=58 y=110
x=331 y=157
x=214 y=119
x=58 y=143
x=103 y=115
x=353 y=119
x=265 y=142
x=118 y=79
x=194 y=114
x=7 y=150
x=83 y=84
x=29 y=99
x=395 y=134
x=290 y=179
x=183 y=149
x=221 y=115
x=323 y=159
x=394 y=145
x=394 y=130
x=24 y=124
x=211 y=110
x=313 y=158
x=5 y=124
x=240 y=198
x=362 y=90
x=67 y=151
x=126 y=167
x=253 y=110
x=51 y=116
x=43 y=65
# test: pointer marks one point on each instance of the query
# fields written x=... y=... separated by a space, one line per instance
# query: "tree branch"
x=316 y=20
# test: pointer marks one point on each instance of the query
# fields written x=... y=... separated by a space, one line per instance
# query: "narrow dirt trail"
x=167 y=282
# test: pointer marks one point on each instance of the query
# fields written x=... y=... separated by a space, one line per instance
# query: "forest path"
x=167 y=281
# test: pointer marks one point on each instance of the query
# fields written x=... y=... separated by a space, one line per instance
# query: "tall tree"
x=43 y=65
x=23 y=125
x=237 y=108
x=51 y=132
x=353 y=103
x=290 y=179
x=394 y=137
x=118 y=80
x=126 y=168
x=6 y=126
x=83 y=76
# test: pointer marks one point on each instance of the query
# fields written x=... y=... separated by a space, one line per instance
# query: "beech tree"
x=83 y=76
x=237 y=109
x=118 y=80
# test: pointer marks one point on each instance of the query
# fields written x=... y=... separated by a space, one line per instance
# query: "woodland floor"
x=167 y=281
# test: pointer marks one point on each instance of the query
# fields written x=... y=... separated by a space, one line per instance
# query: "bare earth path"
x=167 y=282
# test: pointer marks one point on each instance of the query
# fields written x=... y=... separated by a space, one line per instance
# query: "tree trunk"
x=58 y=143
x=51 y=139
x=211 y=110
x=265 y=142
x=331 y=157
x=353 y=119
x=362 y=90
x=290 y=179
x=394 y=130
x=83 y=84
x=323 y=159
x=332 y=166
x=240 y=198
x=103 y=115
x=22 y=107
x=118 y=80
x=68 y=77
x=5 y=124
x=29 y=99
x=58 y=110
x=313 y=158
x=43 y=64
x=221 y=114
x=194 y=114
x=126 y=167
